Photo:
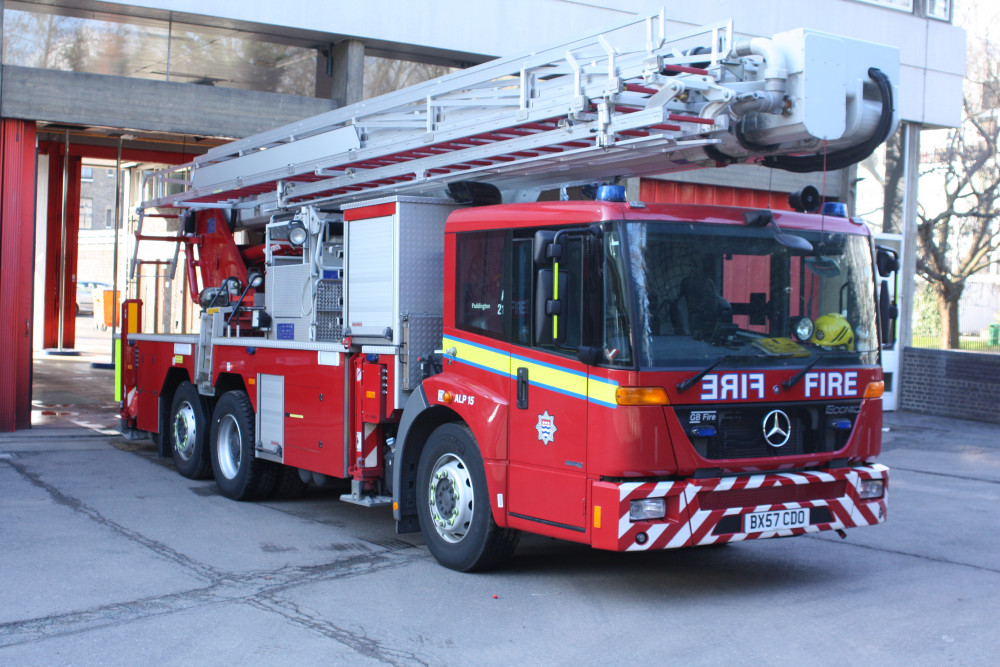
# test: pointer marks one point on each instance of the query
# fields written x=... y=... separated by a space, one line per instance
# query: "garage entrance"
x=67 y=236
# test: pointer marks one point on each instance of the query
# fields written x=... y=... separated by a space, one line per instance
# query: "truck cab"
x=647 y=376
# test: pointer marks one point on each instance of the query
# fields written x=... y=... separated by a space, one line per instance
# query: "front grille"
x=739 y=429
x=771 y=495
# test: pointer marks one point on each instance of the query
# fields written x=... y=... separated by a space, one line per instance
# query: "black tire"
x=239 y=474
x=453 y=503
x=187 y=431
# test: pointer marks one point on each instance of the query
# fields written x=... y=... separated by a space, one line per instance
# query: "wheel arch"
x=420 y=418
x=232 y=382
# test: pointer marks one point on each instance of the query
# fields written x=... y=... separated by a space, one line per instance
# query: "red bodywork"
x=560 y=487
x=570 y=464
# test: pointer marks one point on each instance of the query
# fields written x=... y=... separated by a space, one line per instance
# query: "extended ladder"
x=625 y=102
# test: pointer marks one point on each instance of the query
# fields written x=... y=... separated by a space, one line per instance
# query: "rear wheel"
x=188 y=432
x=239 y=474
x=453 y=503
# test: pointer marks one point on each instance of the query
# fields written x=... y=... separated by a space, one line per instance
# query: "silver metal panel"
x=379 y=349
x=393 y=200
x=329 y=295
x=371 y=264
x=271 y=417
x=421 y=256
x=329 y=326
x=288 y=292
x=279 y=344
x=422 y=335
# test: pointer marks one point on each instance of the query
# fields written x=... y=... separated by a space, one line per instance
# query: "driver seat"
x=699 y=309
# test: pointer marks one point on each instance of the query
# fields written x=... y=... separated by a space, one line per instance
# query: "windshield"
x=705 y=292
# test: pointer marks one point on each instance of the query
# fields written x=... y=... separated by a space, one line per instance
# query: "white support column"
x=911 y=191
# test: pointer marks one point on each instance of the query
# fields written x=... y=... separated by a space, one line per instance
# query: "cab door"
x=547 y=482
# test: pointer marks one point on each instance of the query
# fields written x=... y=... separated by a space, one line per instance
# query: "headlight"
x=871 y=489
x=647 y=508
x=803 y=328
x=297 y=234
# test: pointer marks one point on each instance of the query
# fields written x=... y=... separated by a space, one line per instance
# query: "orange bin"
x=105 y=306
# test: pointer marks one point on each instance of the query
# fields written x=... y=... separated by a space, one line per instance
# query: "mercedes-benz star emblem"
x=777 y=428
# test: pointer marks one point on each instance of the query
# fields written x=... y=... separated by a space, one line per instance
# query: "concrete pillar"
x=340 y=70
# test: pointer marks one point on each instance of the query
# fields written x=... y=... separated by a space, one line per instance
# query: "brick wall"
x=948 y=383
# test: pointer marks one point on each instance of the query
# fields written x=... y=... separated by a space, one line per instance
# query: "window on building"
x=87 y=174
x=107 y=218
x=939 y=9
x=901 y=5
x=155 y=49
x=86 y=213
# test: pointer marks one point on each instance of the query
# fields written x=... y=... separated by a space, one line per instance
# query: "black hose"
x=832 y=161
x=846 y=157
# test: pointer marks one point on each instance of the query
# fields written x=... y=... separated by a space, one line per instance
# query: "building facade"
x=160 y=81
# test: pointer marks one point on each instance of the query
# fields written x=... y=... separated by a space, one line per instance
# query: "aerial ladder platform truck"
x=388 y=306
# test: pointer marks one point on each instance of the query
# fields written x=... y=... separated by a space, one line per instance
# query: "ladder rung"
x=148 y=237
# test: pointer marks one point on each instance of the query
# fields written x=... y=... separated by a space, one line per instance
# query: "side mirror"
x=542 y=245
x=888 y=312
x=549 y=306
x=886 y=260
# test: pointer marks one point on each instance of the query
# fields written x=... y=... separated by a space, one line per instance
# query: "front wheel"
x=453 y=503
x=239 y=474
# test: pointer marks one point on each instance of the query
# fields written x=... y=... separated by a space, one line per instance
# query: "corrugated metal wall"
x=17 y=238
x=670 y=192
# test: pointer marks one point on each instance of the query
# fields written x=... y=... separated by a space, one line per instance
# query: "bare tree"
x=958 y=228
x=385 y=75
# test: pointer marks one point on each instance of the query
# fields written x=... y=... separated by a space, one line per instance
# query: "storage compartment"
x=395 y=278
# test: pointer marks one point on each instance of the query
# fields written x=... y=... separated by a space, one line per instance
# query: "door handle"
x=522 y=388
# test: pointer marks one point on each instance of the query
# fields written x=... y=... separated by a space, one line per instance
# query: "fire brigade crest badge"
x=546 y=427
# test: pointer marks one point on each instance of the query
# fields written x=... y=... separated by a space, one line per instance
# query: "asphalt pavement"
x=107 y=556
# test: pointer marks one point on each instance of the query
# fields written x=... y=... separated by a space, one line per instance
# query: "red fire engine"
x=623 y=375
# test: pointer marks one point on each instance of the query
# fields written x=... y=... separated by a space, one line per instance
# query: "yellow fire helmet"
x=833 y=330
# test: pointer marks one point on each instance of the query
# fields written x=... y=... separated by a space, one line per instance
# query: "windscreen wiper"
x=684 y=385
x=794 y=380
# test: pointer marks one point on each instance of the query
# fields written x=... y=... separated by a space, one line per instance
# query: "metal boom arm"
x=624 y=102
